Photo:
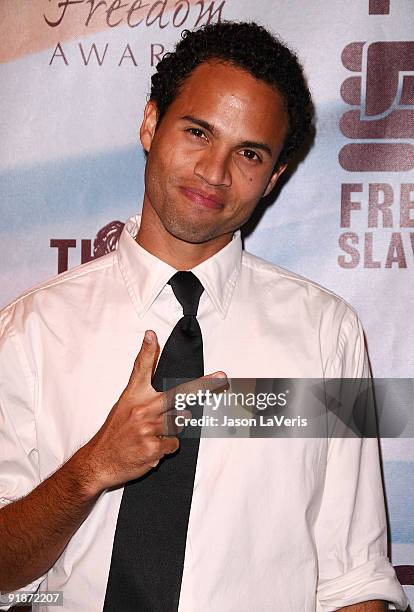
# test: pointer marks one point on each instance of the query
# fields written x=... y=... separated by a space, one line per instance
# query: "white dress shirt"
x=283 y=525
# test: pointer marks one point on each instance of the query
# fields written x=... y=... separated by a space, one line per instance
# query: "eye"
x=250 y=155
x=196 y=132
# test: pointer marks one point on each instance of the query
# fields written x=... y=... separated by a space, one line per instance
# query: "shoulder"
x=277 y=282
x=71 y=287
x=313 y=315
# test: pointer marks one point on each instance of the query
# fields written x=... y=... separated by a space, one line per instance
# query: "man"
x=212 y=524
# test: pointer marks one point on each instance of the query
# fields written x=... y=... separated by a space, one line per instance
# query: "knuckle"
x=136 y=414
x=147 y=430
x=141 y=361
x=153 y=448
x=145 y=350
x=138 y=365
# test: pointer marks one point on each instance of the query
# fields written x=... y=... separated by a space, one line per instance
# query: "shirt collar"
x=145 y=275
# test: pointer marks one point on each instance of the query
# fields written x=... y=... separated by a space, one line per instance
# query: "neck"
x=181 y=255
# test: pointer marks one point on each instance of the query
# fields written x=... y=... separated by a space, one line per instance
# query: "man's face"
x=212 y=156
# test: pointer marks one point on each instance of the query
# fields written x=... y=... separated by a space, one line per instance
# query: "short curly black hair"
x=252 y=48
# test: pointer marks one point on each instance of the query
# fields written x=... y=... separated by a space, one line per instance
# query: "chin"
x=193 y=233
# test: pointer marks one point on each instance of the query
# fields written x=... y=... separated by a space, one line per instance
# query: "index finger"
x=144 y=362
x=176 y=396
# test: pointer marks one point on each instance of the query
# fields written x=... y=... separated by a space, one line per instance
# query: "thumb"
x=144 y=362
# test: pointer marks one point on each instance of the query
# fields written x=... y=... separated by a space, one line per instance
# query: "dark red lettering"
x=63 y=247
x=150 y=19
x=135 y=7
x=63 y=5
x=407 y=205
x=115 y=6
x=93 y=9
x=93 y=49
x=369 y=262
x=396 y=252
x=209 y=12
x=347 y=204
x=381 y=197
x=128 y=55
x=344 y=240
x=181 y=4
x=56 y=54
x=156 y=56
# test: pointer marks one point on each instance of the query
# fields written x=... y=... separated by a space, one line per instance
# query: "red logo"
x=379 y=7
x=382 y=95
x=105 y=241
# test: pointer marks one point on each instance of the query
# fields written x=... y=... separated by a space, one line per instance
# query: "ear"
x=148 y=125
x=274 y=178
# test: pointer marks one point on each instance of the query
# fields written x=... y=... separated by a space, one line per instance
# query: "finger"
x=169 y=445
x=144 y=362
x=170 y=423
x=174 y=421
x=176 y=397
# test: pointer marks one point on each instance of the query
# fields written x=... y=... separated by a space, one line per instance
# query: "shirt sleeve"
x=351 y=529
x=19 y=469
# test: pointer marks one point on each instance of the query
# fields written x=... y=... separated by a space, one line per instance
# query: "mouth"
x=202 y=199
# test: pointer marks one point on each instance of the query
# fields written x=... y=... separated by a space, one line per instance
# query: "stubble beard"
x=184 y=223
x=185 y=229
x=171 y=212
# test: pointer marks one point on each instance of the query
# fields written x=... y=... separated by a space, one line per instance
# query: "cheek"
x=253 y=178
x=157 y=166
x=246 y=197
x=249 y=187
x=171 y=162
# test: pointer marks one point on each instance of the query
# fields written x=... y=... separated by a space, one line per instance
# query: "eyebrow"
x=248 y=144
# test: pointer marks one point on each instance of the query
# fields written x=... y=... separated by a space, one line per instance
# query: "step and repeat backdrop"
x=74 y=78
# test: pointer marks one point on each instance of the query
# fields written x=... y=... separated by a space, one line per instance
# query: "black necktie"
x=149 y=545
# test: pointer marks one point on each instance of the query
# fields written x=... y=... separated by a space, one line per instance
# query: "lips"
x=202 y=199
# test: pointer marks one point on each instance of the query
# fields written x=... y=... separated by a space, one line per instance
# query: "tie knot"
x=187 y=289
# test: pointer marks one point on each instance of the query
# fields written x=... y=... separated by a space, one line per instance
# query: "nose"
x=213 y=167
